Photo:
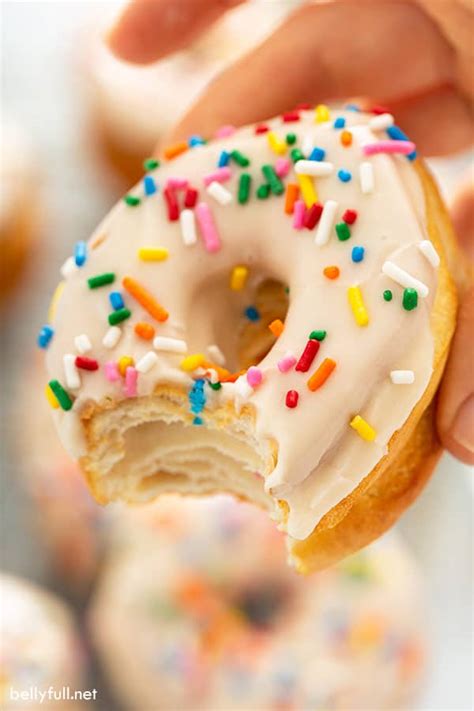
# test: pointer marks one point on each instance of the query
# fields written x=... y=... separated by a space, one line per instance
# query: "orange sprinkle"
x=145 y=299
x=320 y=375
x=346 y=138
x=175 y=149
x=331 y=272
x=222 y=373
x=144 y=330
x=292 y=194
x=276 y=327
x=232 y=377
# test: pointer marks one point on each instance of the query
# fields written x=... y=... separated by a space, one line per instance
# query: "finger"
x=148 y=30
x=462 y=214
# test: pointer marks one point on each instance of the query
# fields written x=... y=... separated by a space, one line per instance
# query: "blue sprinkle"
x=352 y=107
x=149 y=185
x=396 y=134
x=357 y=254
x=224 y=159
x=317 y=154
x=45 y=336
x=116 y=300
x=198 y=421
x=195 y=141
x=197 y=397
x=80 y=253
x=252 y=313
x=340 y=122
x=344 y=175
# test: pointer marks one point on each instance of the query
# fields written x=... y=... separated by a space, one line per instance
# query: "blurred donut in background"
x=198 y=605
x=39 y=649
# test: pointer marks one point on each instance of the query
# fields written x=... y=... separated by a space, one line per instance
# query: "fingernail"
x=463 y=428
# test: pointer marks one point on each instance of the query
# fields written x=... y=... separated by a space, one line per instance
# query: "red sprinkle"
x=292 y=397
x=290 y=116
x=190 y=197
x=378 y=109
x=172 y=204
x=312 y=215
x=261 y=128
x=308 y=355
x=349 y=217
x=86 y=363
x=303 y=107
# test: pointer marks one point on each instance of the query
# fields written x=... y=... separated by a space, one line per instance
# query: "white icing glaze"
x=320 y=458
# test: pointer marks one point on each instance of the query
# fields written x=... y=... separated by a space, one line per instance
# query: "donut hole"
x=262 y=603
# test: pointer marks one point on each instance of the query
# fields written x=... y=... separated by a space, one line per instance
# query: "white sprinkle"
x=400 y=276
x=82 y=344
x=69 y=267
x=188 y=227
x=427 y=249
x=112 y=337
x=402 y=377
x=170 y=345
x=381 y=122
x=219 y=193
x=242 y=388
x=215 y=354
x=146 y=363
x=325 y=223
x=73 y=379
x=307 y=144
x=317 y=168
x=366 y=174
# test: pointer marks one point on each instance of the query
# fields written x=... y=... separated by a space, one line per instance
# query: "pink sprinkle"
x=282 y=167
x=286 y=363
x=225 y=131
x=221 y=175
x=177 y=183
x=298 y=214
x=111 y=371
x=254 y=376
x=209 y=232
x=131 y=377
x=404 y=147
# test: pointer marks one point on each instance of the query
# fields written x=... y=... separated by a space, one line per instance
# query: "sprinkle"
x=223 y=159
x=325 y=223
x=308 y=191
x=346 y=138
x=296 y=154
x=286 y=363
x=219 y=176
x=101 y=280
x=318 y=335
x=356 y=302
x=82 y=343
x=314 y=168
x=131 y=200
x=282 y=167
x=175 y=149
x=44 y=337
x=196 y=396
x=55 y=301
x=170 y=345
x=144 y=330
x=216 y=354
x=225 y=131
x=291 y=138
x=219 y=193
x=340 y=122
x=215 y=386
x=290 y=116
x=366 y=176
x=350 y=216
x=352 y=107
x=396 y=134
x=261 y=128
x=124 y=362
x=276 y=327
x=150 y=164
x=131 y=377
x=292 y=193
x=172 y=206
x=322 y=114
x=238 y=278
x=188 y=227
x=116 y=300
x=313 y=215
x=381 y=122
x=80 y=254
x=68 y=268
x=209 y=233
x=198 y=421
x=357 y=254
x=147 y=362
x=308 y=355
x=387 y=295
x=240 y=159
x=153 y=254
x=299 y=211
x=244 y=188
x=149 y=185
x=345 y=176
x=145 y=299
x=317 y=153
x=410 y=299
x=85 y=363
x=276 y=144
x=194 y=141
x=263 y=191
x=320 y=375
x=331 y=272
x=343 y=232
x=112 y=337
x=190 y=197
x=363 y=428
x=177 y=183
x=61 y=395
x=254 y=376
x=118 y=316
x=73 y=379
x=252 y=313
x=111 y=371
x=400 y=276
x=191 y=362
x=378 y=109
x=402 y=377
x=404 y=147
x=291 y=399
x=276 y=186
x=51 y=397
x=427 y=249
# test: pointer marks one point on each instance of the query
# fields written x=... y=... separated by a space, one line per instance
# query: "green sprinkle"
x=343 y=231
x=296 y=155
x=263 y=191
x=240 y=159
x=101 y=280
x=287 y=289
x=317 y=335
x=131 y=200
x=291 y=138
x=215 y=386
x=151 y=164
x=244 y=188
x=61 y=395
x=276 y=186
x=410 y=299
x=387 y=295
x=118 y=316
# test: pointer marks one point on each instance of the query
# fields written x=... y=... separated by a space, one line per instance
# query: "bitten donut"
x=266 y=314
x=218 y=622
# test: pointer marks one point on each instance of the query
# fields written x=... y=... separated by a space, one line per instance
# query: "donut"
x=210 y=633
x=40 y=650
x=266 y=314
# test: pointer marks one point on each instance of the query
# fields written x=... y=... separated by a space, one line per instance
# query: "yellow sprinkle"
x=191 y=362
x=55 y=301
x=123 y=363
x=357 y=305
x=363 y=428
x=276 y=144
x=51 y=397
x=308 y=190
x=238 y=278
x=322 y=114
x=153 y=254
